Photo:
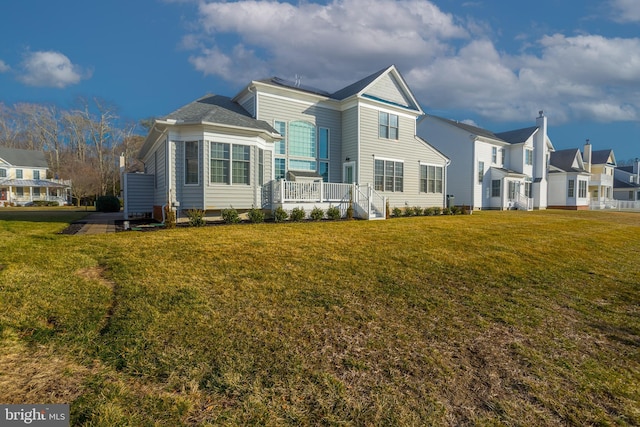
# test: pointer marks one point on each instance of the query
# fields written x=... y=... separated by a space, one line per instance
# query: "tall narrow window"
x=18 y=173
x=323 y=170
x=494 y=155
x=36 y=174
x=387 y=125
x=528 y=157
x=155 y=169
x=280 y=168
x=571 y=188
x=191 y=162
x=219 y=163
x=3 y=173
x=323 y=143
x=503 y=156
x=582 y=189
x=399 y=177
x=260 y=166
x=512 y=190
x=480 y=172
x=389 y=171
x=495 y=188
x=281 y=146
x=241 y=155
x=379 y=175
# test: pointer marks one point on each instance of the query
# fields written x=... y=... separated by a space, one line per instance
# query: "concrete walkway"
x=100 y=223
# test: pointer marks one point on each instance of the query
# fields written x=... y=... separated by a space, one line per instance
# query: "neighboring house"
x=280 y=143
x=568 y=180
x=626 y=183
x=601 y=164
x=489 y=170
x=23 y=180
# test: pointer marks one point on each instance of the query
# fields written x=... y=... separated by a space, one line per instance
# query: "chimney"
x=586 y=156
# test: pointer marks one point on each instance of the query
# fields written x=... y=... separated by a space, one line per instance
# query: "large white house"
x=23 y=179
x=489 y=170
x=280 y=143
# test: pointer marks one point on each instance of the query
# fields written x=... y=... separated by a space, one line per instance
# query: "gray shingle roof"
x=356 y=87
x=563 y=160
x=293 y=85
x=600 y=157
x=628 y=168
x=517 y=136
x=31 y=183
x=469 y=128
x=18 y=157
x=623 y=184
x=220 y=110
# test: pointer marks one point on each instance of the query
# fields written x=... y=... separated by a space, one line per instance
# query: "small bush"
x=196 y=217
x=408 y=211
x=230 y=216
x=387 y=210
x=317 y=214
x=397 y=212
x=437 y=210
x=429 y=212
x=446 y=211
x=108 y=204
x=297 y=214
x=280 y=215
x=255 y=215
x=455 y=210
x=417 y=211
x=45 y=203
x=333 y=213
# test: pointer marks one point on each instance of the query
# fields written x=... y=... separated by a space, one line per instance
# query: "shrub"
x=230 y=216
x=108 y=204
x=446 y=211
x=45 y=203
x=387 y=210
x=280 y=214
x=429 y=212
x=437 y=210
x=196 y=217
x=455 y=210
x=297 y=214
x=317 y=214
x=255 y=215
x=417 y=211
x=333 y=213
x=397 y=212
x=408 y=211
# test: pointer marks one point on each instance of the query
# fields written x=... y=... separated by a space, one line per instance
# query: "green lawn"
x=497 y=318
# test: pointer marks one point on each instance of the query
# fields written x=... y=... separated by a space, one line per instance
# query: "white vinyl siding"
x=387 y=125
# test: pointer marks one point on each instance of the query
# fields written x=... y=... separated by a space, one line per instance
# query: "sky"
x=490 y=63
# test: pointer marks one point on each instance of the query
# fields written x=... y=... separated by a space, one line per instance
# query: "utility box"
x=450 y=201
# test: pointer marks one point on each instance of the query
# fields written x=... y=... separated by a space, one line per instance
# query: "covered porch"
x=20 y=192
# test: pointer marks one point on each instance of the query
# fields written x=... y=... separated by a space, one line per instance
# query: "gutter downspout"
x=446 y=179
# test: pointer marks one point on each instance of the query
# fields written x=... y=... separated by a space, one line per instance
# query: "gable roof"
x=517 y=136
x=618 y=183
x=627 y=168
x=220 y=110
x=295 y=85
x=601 y=157
x=359 y=86
x=19 y=157
x=565 y=160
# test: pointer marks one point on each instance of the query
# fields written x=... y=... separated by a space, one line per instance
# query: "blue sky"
x=493 y=63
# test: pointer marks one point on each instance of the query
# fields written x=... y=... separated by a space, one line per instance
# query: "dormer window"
x=388 y=125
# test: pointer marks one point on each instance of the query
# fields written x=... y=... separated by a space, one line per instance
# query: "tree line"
x=83 y=143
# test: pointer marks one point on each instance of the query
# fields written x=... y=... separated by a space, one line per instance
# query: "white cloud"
x=4 y=67
x=446 y=61
x=626 y=10
x=50 y=69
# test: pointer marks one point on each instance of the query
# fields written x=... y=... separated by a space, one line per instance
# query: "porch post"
x=321 y=191
x=31 y=194
x=282 y=190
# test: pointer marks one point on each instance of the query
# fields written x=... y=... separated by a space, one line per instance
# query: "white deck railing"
x=523 y=202
x=317 y=191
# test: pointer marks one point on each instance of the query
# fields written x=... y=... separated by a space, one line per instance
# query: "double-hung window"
x=18 y=173
x=219 y=169
x=582 y=188
x=388 y=175
x=494 y=155
x=3 y=173
x=571 y=188
x=431 y=179
x=495 y=188
x=480 y=172
x=191 y=162
x=240 y=166
x=388 y=125
x=323 y=153
x=36 y=174
x=528 y=157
